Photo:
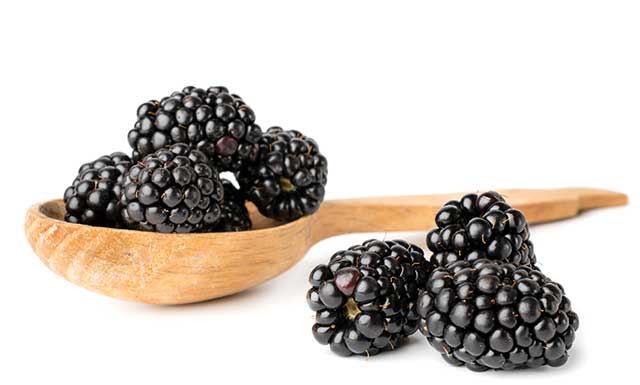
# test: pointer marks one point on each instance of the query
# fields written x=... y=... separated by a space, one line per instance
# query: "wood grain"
x=184 y=268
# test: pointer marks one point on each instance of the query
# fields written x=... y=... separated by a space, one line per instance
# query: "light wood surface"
x=184 y=268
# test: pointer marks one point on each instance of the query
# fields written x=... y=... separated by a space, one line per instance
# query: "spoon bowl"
x=183 y=268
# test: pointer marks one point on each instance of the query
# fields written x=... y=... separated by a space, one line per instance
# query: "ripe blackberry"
x=214 y=121
x=172 y=190
x=93 y=197
x=488 y=315
x=235 y=216
x=478 y=227
x=287 y=182
x=364 y=298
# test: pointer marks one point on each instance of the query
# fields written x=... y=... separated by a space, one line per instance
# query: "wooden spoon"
x=183 y=268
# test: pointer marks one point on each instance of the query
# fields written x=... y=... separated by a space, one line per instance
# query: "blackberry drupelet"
x=488 y=315
x=93 y=197
x=172 y=190
x=478 y=227
x=287 y=182
x=214 y=121
x=364 y=298
x=235 y=216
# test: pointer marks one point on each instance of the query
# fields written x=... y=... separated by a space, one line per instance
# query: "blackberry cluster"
x=180 y=144
x=174 y=189
x=214 y=121
x=92 y=198
x=478 y=227
x=235 y=216
x=364 y=298
x=287 y=181
x=488 y=315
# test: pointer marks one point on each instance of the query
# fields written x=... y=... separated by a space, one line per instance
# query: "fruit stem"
x=286 y=184
x=352 y=309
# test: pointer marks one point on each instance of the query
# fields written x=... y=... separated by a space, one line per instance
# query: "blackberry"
x=214 y=121
x=364 y=298
x=172 y=190
x=478 y=227
x=235 y=216
x=92 y=198
x=488 y=315
x=287 y=182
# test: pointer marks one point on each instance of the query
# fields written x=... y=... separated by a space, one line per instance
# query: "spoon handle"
x=408 y=213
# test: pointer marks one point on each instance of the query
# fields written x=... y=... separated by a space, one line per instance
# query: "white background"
x=407 y=98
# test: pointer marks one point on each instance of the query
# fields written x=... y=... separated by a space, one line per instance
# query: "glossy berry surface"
x=488 y=315
x=93 y=197
x=234 y=215
x=287 y=182
x=478 y=227
x=365 y=297
x=172 y=190
x=214 y=121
